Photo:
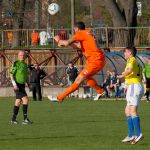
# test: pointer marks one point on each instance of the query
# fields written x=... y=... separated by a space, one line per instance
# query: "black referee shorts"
x=147 y=82
x=20 y=93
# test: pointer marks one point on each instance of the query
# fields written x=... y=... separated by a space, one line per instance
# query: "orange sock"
x=68 y=91
x=92 y=83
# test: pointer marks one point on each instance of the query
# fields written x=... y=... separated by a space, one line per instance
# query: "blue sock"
x=136 y=123
x=130 y=126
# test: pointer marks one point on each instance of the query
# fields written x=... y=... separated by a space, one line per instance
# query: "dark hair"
x=80 y=25
x=132 y=49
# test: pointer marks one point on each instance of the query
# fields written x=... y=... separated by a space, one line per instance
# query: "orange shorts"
x=91 y=68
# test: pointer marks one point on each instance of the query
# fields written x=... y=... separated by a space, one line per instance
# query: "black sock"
x=25 y=109
x=147 y=95
x=15 y=112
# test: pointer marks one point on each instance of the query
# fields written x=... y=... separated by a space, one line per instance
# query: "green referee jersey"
x=146 y=71
x=19 y=69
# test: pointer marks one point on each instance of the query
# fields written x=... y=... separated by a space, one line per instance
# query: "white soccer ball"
x=53 y=8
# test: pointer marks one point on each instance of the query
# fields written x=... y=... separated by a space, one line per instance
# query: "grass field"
x=72 y=125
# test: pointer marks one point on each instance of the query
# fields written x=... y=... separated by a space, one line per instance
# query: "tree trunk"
x=37 y=14
x=19 y=7
x=124 y=14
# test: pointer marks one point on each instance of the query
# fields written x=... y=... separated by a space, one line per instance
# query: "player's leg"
x=15 y=111
x=130 y=136
x=38 y=89
x=134 y=95
x=147 y=88
x=90 y=70
x=92 y=83
x=34 y=91
x=25 y=102
x=71 y=88
x=139 y=92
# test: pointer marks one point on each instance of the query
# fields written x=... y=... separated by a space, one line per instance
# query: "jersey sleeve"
x=78 y=37
x=13 y=68
x=131 y=64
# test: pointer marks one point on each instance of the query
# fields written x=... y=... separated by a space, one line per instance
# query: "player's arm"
x=13 y=82
x=70 y=42
x=125 y=73
x=12 y=72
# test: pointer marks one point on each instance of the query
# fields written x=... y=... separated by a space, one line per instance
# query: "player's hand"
x=59 y=44
x=125 y=91
x=119 y=76
x=56 y=38
x=16 y=88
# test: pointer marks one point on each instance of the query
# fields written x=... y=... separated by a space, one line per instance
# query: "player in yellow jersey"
x=134 y=93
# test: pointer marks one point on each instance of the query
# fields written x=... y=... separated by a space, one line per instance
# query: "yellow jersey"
x=135 y=77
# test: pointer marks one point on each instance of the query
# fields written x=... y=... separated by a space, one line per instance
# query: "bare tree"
x=18 y=11
x=37 y=14
x=124 y=14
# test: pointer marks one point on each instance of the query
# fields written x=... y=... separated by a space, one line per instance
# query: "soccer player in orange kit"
x=95 y=60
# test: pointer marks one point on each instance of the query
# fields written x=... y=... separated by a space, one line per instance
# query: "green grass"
x=72 y=125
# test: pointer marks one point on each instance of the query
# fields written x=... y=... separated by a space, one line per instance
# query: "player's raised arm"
x=70 y=42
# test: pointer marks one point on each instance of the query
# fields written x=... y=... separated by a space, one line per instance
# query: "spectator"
x=34 y=38
x=43 y=38
x=114 y=83
x=19 y=76
x=62 y=33
x=36 y=75
x=146 y=76
x=103 y=39
x=106 y=84
x=10 y=37
x=72 y=73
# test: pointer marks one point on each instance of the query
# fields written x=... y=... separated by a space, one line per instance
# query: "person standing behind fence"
x=19 y=76
x=34 y=38
x=146 y=76
x=43 y=38
x=36 y=75
x=10 y=37
x=62 y=33
x=135 y=91
x=72 y=73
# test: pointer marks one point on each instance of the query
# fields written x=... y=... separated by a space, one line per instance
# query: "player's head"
x=130 y=52
x=36 y=66
x=70 y=64
x=21 y=55
x=79 y=26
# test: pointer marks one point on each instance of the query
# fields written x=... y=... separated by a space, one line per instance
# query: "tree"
x=18 y=15
x=123 y=14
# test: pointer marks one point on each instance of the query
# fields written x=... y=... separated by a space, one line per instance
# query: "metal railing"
x=106 y=37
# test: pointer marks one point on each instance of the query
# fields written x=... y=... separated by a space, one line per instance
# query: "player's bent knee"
x=79 y=79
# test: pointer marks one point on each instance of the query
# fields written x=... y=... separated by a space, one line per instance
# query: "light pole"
x=91 y=13
x=72 y=16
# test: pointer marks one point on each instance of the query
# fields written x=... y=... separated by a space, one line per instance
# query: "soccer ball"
x=53 y=8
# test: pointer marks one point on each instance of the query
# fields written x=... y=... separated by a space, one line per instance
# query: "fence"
x=55 y=63
x=106 y=37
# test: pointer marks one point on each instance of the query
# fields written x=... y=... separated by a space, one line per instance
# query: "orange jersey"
x=9 y=36
x=35 y=37
x=88 y=45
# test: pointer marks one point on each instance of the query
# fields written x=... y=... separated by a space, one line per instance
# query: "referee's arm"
x=13 y=82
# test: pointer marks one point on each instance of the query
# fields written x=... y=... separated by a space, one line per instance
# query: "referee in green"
x=146 y=76
x=19 y=76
